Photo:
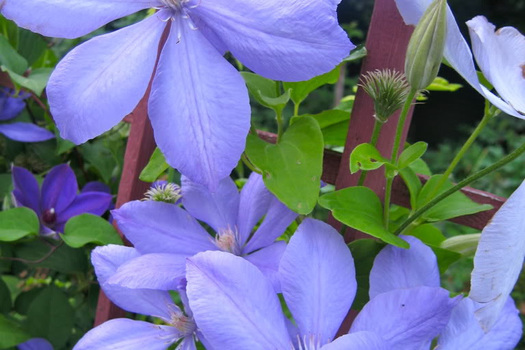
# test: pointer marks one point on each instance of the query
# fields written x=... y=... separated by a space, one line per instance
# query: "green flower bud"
x=463 y=244
x=426 y=46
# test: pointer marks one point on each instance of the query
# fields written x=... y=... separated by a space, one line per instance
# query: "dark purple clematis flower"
x=235 y=307
x=199 y=106
x=166 y=234
x=10 y=107
x=58 y=200
x=35 y=344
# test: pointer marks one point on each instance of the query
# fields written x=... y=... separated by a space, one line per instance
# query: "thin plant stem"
x=507 y=159
x=373 y=142
x=395 y=149
x=296 y=109
x=249 y=164
x=280 y=126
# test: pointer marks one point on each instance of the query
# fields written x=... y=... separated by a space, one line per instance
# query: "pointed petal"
x=499 y=258
x=69 y=19
x=457 y=51
x=59 y=188
x=200 y=128
x=157 y=227
x=501 y=56
x=122 y=333
x=464 y=332
x=95 y=203
x=406 y=318
x=95 y=186
x=267 y=260
x=151 y=271
x=26 y=190
x=273 y=39
x=25 y=132
x=277 y=219
x=218 y=209
x=318 y=279
x=35 y=344
x=102 y=80
x=10 y=106
x=254 y=203
x=396 y=268
x=106 y=261
x=219 y=281
x=357 y=341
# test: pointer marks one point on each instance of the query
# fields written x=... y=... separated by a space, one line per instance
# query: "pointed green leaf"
x=155 y=167
x=413 y=184
x=292 y=168
x=366 y=157
x=356 y=54
x=10 y=59
x=301 y=89
x=411 y=154
x=36 y=81
x=334 y=126
x=11 y=333
x=361 y=209
x=87 y=228
x=17 y=223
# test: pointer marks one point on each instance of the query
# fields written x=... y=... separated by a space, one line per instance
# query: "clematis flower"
x=35 y=344
x=164 y=232
x=129 y=334
x=235 y=306
x=10 y=107
x=199 y=105
x=499 y=55
x=499 y=259
x=58 y=200
x=395 y=268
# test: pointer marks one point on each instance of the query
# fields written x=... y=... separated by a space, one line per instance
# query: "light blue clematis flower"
x=199 y=105
x=395 y=268
x=499 y=55
x=235 y=307
x=10 y=107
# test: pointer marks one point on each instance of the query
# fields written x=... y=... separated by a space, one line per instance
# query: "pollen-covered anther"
x=183 y=323
x=227 y=241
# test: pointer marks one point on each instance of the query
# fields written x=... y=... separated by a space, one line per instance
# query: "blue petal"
x=151 y=271
x=200 y=128
x=464 y=332
x=122 y=333
x=106 y=261
x=234 y=306
x=267 y=260
x=406 y=318
x=10 y=106
x=26 y=190
x=318 y=279
x=59 y=188
x=35 y=344
x=95 y=203
x=95 y=186
x=218 y=209
x=281 y=40
x=499 y=258
x=396 y=268
x=69 y=19
x=25 y=132
x=102 y=80
x=357 y=341
x=157 y=227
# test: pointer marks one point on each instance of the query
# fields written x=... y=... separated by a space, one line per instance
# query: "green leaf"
x=364 y=252
x=442 y=84
x=276 y=103
x=360 y=208
x=457 y=204
x=259 y=86
x=292 y=168
x=301 y=89
x=465 y=245
x=359 y=52
x=11 y=333
x=10 y=59
x=63 y=145
x=50 y=316
x=36 y=81
x=17 y=223
x=413 y=184
x=366 y=157
x=31 y=46
x=411 y=154
x=101 y=158
x=5 y=184
x=334 y=125
x=24 y=300
x=155 y=167
x=5 y=298
x=420 y=167
x=64 y=259
x=87 y=228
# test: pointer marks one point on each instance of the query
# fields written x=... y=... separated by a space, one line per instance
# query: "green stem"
x=249 y=164
x=296 y=109
x=373 y=142
x=280 y=124
x=486 y=118
x=515 y=154
x=395 y=150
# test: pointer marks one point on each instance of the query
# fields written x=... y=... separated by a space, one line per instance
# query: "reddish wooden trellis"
x=386 y=43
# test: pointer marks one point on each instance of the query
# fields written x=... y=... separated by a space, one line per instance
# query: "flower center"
x=183 y=323
x=49 y=217
x=175 y=5
x=227 y=241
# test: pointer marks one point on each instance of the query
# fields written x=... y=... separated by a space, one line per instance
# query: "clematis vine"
x=199 y=105
x=166 y=234
x=499 y=55
x=234 y=305
x=10 y=107
x=395 y=268
x=57 y=201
